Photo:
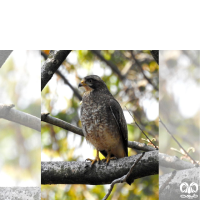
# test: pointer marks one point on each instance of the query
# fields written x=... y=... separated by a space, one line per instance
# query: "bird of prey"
x=103 y=121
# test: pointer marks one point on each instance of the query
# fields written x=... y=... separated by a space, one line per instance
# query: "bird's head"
x=92 y=82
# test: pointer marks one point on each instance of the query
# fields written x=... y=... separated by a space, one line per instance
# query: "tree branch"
x=110 y=64
x=124 y=178
x=4 y=54
x=68 y=83
x=155 y=54
x=25 y=119
x=45 y=117
x=82 y=172
x=186 y=153
x=60 y=123
x=76 y=93
x=52 y=63
x=173 y=162
x=171 y=189
x=142 y=130
x=12 y=193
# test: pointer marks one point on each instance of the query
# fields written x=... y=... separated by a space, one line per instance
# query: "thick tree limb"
x=172 y=190
x=82 y=172
x=23 y=193
x=4 y=54
x=110 y=64
x=67 y=126
x=52 y=63
x=25 y=119
x=76 y=93
x=155 y=54
x=173 y=162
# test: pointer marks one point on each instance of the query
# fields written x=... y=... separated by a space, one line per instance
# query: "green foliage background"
x=20 y=146
x=179 y=108
x=133 y=92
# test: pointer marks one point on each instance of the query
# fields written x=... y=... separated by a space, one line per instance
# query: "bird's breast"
x=98 y=124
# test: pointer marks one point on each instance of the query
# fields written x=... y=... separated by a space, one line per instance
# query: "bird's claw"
x=93 y=161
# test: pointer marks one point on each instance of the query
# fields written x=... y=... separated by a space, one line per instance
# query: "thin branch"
x=76 y=93
x=142 y=130
x=179 y=144
x=155 y=54
x=140 y=146
x=60 y=123
x=45 y=117
x=25 y=119
x=68 y=83
x=124 y=178
x=141 y=69
x=52 y=63
x=77 y=172
x=110 y=64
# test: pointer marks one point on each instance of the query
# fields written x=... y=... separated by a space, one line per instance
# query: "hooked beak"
x=82 y=83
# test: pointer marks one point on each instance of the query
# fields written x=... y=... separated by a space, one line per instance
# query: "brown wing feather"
x=121 y=122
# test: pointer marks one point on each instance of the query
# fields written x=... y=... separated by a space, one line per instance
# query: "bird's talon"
x=88 y=159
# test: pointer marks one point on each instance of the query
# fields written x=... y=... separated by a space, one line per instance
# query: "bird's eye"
x=90 y=80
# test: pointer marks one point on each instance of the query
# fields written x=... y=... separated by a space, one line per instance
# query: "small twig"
x=76 y=93
x=123 y=178
x=141 y=129
x=179 y=144
x=183 y=153
x=167 y=181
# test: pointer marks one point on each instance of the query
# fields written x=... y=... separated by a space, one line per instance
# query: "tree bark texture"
x=53 y=62
x=25 y=119
x=172 y=188
x=22 y=193
x=99 y=174
x=173 y=162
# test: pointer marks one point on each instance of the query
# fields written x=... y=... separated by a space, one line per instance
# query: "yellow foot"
x=97 y=159
x=112 y=158
x=93 y=161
